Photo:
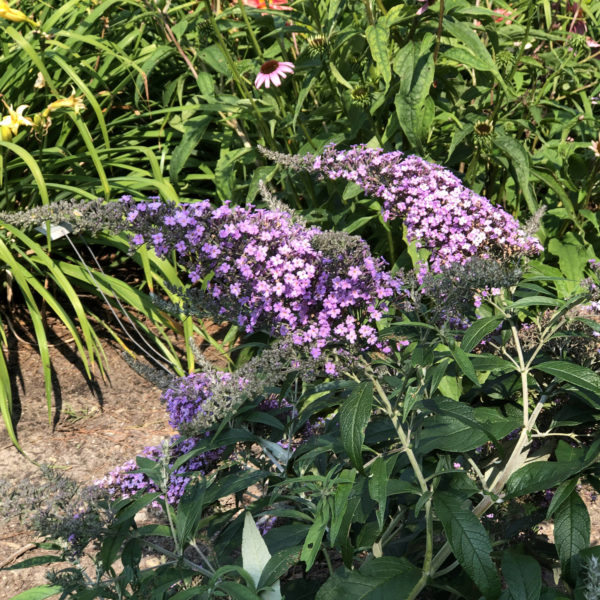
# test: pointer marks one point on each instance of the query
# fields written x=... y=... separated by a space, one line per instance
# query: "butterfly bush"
x=195 y=396
x=125 y=482
x=439 y=212
x=270 y=270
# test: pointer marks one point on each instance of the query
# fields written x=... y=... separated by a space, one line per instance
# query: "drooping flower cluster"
x=124 y=482
x=439 y=212
x=271 y=270
x=194 y=397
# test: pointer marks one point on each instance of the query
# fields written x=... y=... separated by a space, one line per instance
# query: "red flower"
x=274 y=4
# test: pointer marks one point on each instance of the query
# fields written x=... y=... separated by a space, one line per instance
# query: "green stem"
x=439 y=32
x=370 y=16
x=404 y=439
x=263 y=127
x=523 y=370
x=253 y=39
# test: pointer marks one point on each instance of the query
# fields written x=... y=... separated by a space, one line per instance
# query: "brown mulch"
x=93 y=428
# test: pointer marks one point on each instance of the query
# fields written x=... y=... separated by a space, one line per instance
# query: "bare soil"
x=93 y=427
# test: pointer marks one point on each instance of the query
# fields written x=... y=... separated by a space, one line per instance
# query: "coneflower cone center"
x=269 y=67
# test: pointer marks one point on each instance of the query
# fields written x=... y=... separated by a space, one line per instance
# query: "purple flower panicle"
x=439 y=212
x=124 y=482
x=272 y=271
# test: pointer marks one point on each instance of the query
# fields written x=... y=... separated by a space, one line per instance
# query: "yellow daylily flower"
x=14 y=119
x=14 y=15
x=74 y=102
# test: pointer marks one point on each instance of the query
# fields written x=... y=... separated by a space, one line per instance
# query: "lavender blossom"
x=124 y=482
x=269 y=270
x=439 y=212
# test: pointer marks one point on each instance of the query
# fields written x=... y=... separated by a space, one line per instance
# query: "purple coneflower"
x=273 y=71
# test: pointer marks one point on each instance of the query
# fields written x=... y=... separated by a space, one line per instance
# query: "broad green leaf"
x=571 y=529
x=354 y=415
x=39 y=593
x=562 y=493
x=231 y=484
x=194 y=132
x=470 y=41
x=523 y=576
x=477 y=331
x=237 y=591
x=378 y=488
x=490 y=362
x=534 y=301
x=577 y=375
x=312 y=544
x=465 y=58
x=572 y=259
x=453 y=428
x=469 y=541
x=344 y=483
x=519 y=160
x=278 y=565
x=256 y=555
x=189 y=511
x=415 y=66
x=464 y=364
x=378 y=39
x=538 y=476
x=385 y=578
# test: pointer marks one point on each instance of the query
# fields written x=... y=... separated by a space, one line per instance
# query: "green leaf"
x=237 y=591
x=572 y=259
x=473 y=45
x=477 y=331
x=538 y=476
x=562 y=493
x=453 y=428
x=39 y=593
x=469 y=541
x=571 y=529
x=534 y=301
x=519 y=160
x=523 y=576
x=464 y=364
x=256 y=555
x=343 y=484
x=378 y=488
x=378 y=38
x=312 y=544
x=385 y=578
x=354 y=417
x=278 y=565
x=231 y=484
x=195 y=128
x=189 y=511
x=34 y=562
x=415 y=66
x=579 y=376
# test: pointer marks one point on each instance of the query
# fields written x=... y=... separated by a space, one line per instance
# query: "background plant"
x=422 y=480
